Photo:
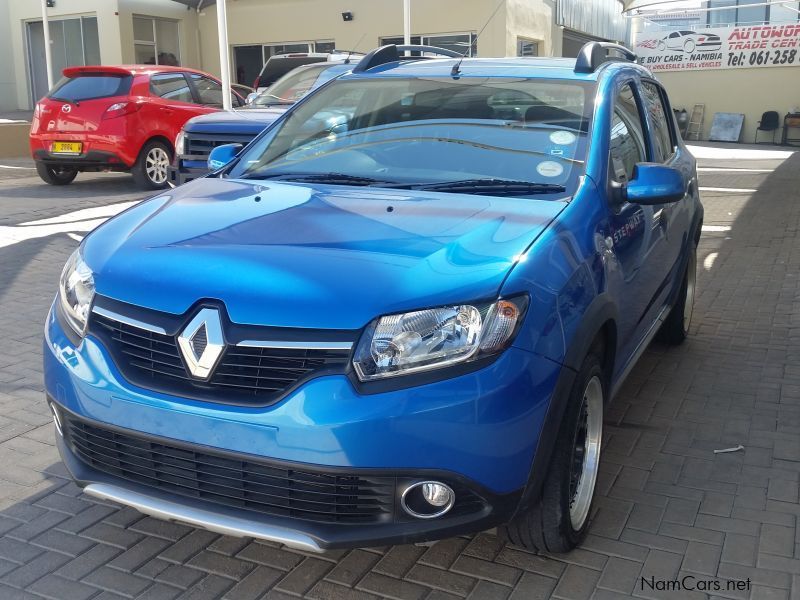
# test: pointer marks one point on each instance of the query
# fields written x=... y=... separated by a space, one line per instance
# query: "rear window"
x=277 y=66
x=91 y=86
x=291 y=87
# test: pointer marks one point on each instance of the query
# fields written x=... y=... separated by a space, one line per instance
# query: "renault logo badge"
x=202 y=344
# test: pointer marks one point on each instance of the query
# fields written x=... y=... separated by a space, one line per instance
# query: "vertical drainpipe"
x=48 y=57
x=224 y=65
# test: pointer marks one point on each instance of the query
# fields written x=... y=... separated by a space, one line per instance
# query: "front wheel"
x=151 y=169
x=558 y=522
x=55 y=175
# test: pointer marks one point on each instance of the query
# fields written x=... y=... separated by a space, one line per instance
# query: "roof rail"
x=594 y=54
x=391 y=53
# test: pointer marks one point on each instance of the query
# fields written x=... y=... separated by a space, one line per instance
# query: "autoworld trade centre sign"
x=720 y=48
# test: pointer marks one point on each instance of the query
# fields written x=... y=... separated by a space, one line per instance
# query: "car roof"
x=528 y=67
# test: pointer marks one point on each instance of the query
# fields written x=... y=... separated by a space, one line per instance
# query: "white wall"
x=21 y=11
x=165 y=9
x=8 y=81
x=115 y=29
x=276 y=21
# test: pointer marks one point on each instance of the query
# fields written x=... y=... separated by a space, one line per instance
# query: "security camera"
x=347 y=16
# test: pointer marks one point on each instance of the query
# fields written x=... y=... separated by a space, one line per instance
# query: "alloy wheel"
x=586 y=453
x=688 y=305
x=156 y=165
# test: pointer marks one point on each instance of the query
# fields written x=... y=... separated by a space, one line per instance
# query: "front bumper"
x=186 y=170
x=478 y=513
x=478 y=430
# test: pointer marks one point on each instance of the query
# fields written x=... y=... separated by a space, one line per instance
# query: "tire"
x=661 y=46
x=151 y=169
x=675 y=328
x=559 y=520
x=689 y=46
x=55 y=175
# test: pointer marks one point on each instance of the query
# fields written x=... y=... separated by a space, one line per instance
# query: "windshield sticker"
x=549 y=168
x=562 y=138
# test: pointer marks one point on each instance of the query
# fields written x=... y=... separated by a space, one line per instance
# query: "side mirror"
x=222 y=155
x=655 y=184
x=250 y=97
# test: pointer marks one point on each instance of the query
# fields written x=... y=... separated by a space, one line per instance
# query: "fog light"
x=428 y=499
x=56 y=420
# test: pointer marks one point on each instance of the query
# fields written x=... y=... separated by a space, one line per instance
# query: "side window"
x=171 y=86
x=627 y=137
x=663 y=146
x=209 y=92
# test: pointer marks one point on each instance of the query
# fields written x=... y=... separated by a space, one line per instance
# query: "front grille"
x=237 y=482
x=243 y=375
x=201 y=144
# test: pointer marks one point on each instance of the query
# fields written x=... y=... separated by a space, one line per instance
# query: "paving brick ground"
x=668 y=506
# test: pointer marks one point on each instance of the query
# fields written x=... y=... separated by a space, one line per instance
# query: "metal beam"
x=224 y=62
x=407 y=24
x=48 y=57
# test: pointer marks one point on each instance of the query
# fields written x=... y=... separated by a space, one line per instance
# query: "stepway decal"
x=720 y=48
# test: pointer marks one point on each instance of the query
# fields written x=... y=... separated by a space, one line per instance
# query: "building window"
x=463 y=43
x=742 y=12
x=248 y=60
x=325 y=47
x=156 y=41
x=527 y=47
x=74 y=42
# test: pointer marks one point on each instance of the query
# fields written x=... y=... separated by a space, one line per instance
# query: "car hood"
x=294 y=255
x=243 y=120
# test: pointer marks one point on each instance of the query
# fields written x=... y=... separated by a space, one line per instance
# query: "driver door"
x=636 y=231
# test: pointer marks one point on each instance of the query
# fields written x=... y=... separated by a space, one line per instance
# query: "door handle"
x=166 y=110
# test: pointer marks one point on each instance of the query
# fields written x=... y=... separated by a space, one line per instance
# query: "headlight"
x=438 y=337
x=179 y=143
x=76 y=292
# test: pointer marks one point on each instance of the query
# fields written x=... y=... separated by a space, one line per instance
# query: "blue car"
x=395 y=317
x=203 y=133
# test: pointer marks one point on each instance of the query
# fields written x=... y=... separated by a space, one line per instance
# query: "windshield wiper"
x=331 y=178
x=488 y=187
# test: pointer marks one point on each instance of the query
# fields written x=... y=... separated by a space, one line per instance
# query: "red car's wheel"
x=151 y=170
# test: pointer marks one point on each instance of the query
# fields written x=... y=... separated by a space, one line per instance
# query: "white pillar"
x=407 y=24
x=48 y=58
x=224 y=64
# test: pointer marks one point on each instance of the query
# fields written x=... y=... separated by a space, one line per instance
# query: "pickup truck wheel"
x=559 y=520
x=676 y=326
x=55 y=175
x=151 y=170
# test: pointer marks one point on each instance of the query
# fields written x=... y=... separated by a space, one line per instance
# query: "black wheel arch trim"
x=600 y=311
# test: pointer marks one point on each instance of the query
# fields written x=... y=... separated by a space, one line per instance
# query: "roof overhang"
x=196 y=4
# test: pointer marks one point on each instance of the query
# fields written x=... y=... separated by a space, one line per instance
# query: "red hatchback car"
x=121 y=118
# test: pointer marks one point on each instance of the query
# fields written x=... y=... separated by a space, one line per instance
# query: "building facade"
x=185 y=32
x=747 y=61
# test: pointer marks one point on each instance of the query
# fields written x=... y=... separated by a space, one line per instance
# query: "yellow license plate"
x=67 y=147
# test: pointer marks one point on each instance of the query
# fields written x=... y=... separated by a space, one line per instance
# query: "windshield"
x=291 y=87
x=89 y=86
x=463 y=135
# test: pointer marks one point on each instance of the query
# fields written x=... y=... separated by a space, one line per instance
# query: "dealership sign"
x=720 y=48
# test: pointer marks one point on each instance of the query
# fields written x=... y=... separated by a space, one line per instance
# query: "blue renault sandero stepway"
x=395 y=316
